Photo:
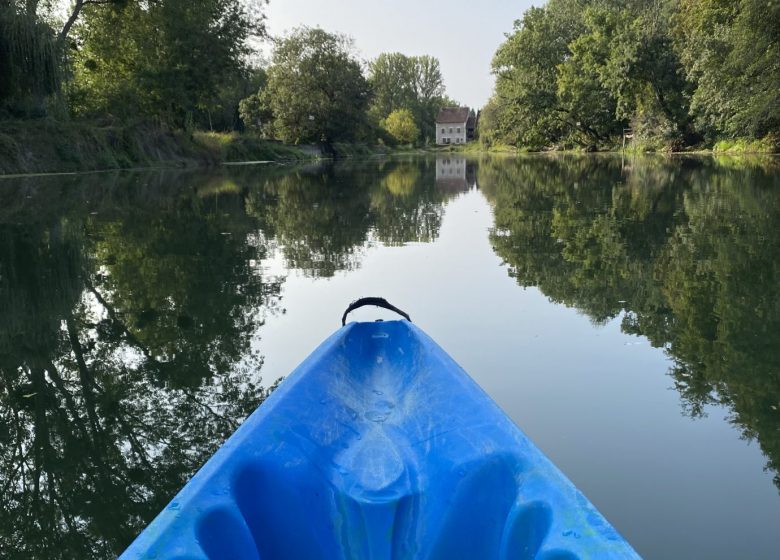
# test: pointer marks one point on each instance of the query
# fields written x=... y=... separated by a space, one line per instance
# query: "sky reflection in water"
x=145 y=314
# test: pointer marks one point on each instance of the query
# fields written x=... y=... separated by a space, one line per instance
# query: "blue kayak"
x=378 y=447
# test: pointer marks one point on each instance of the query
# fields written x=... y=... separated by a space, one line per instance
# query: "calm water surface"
x=626 y=314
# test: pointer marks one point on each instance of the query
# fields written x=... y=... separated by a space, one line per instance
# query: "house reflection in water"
x=454 y=174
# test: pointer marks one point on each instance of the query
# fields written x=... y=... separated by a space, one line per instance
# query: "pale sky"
x=462 y=34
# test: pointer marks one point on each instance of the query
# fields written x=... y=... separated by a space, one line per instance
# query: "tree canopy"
x=731 y=51
x=401 y=126
x=169 y=59
x=195 y=65
x=30 y=59
x=413 y=83
x=178 y=62
x=316 y=90
x=577 y=72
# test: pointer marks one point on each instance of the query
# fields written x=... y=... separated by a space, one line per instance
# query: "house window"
x=458 y=130
x=450 y=129
x=442 y=131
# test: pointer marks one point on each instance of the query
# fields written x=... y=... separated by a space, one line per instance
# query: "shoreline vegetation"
x=45 y=146
x=660 y=76
x=121 y=84
x=126 y=84
x=49 y=147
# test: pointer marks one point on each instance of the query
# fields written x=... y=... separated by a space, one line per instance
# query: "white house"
x=455 y=125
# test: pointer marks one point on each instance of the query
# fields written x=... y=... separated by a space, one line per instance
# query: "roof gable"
x=452 y=115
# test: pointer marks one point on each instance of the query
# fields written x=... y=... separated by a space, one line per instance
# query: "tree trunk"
x=74 y=15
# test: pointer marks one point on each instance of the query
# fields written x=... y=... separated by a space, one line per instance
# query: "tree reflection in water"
x=124 y=354
x=684 y=250
x=131 y=304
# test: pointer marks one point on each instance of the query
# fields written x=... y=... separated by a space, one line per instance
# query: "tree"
x=730 y=50
x=589 y=108
x=316 y=90
x=392 y=79
x=408 y=82
x=169 y=60
x=30 y=60
x=400 y=125
x=526 y=76
x=251 y=110
x=676 y=71
x=635 y=62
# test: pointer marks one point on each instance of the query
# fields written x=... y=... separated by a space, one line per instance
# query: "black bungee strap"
x=378 y=302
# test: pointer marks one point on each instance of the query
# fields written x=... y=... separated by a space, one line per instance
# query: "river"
x=624 y=312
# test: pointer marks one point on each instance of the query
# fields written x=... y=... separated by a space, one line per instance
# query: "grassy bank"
x=767 y=145
x=226 y=147
x=739 y=146
x=475 y=148
x=48 y=146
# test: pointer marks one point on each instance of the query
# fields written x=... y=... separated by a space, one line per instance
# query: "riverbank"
x=732 y=147
x=49 y=146
x=736 y=147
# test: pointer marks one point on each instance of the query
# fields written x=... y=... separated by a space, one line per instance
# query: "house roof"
x=452 y=115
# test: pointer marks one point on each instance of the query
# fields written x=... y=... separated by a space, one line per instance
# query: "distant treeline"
x=316 y=91
x=678 y=73
x=191 y=64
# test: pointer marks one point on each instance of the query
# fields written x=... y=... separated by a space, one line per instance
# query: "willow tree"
x=30 y=60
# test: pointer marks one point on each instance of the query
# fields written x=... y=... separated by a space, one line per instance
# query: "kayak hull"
x=379 y=446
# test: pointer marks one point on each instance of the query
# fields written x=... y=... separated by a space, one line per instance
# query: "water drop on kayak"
x=376 y=416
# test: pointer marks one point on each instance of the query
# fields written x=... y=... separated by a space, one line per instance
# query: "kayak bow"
x=379 y=446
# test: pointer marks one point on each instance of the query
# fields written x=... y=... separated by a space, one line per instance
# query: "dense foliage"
x=316 y=90
x=192 y=64
x=179 y=62
x=579 y=72
x=413 y=83
x=401 y=126
x=731 y=51
x=30 y=60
